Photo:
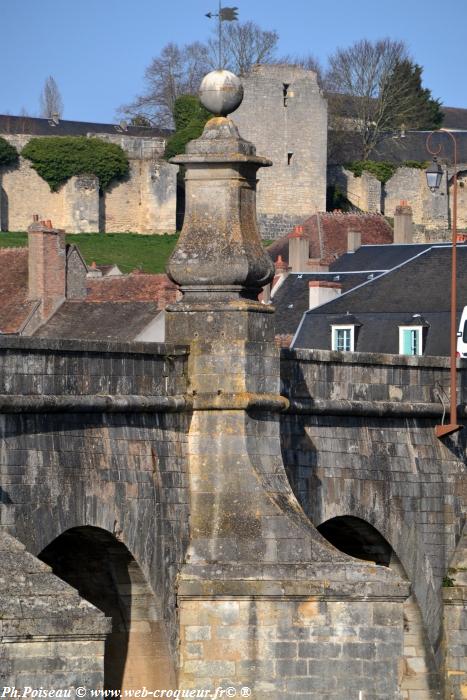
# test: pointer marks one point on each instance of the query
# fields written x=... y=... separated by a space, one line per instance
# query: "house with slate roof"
x=47 y=292
x=403 y=310
x=306 y=279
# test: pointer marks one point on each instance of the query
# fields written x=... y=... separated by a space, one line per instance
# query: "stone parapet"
x=40 y=369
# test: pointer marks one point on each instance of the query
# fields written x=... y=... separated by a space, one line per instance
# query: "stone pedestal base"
x=281 y=639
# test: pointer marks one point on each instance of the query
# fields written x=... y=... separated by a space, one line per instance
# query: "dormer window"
x=344 y=331
x=343 y=338
x=412 y=336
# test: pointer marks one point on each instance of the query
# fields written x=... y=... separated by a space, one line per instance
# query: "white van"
x=462 y=335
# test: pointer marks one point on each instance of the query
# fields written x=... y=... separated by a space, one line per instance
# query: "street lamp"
x=433 y=178
x=434 y=173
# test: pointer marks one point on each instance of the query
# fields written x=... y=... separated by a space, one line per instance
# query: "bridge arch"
x=359 y=539
x=374 y=504
x=106 y=574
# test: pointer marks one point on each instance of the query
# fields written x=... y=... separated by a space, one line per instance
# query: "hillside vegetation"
x=127 y=250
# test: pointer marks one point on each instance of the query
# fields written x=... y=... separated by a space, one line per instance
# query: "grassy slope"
x=127 y=250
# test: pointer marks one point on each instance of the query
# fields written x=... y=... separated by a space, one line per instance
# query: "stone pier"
x=264 y=601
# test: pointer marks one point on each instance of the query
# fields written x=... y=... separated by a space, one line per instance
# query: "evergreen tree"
x=411 y=104
x=374 y=88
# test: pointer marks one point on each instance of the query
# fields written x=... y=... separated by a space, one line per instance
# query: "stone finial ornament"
x=219 y=256
x=221 y=92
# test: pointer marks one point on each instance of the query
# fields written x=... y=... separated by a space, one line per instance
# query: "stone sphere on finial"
x=221 y=92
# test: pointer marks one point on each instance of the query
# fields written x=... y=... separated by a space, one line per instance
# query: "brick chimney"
x=354 y=241
x=47 y=266
x=299 y=249
x=322 y=292
x=403 y=223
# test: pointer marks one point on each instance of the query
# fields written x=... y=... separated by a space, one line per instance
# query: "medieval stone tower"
x=285 y=114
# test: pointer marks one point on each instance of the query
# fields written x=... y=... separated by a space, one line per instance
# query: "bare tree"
x=244 y=45
x=176 y=71
x=361 y=91
x=51 y=102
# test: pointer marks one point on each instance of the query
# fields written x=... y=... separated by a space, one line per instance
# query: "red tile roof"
x=14 y=305
x=139 y=291
x=332 y=228
x=137 y=286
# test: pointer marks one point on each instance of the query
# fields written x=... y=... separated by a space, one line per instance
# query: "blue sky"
x=97 y=50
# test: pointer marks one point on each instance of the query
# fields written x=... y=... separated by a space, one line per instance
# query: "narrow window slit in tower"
x=289 y=158
x=285 y=90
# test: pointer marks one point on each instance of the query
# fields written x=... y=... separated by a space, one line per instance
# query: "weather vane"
x=225 y=14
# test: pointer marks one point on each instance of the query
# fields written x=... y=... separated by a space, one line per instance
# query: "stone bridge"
x=93 y=455
x=359 y=448
x=151 y=537
x=95 y=482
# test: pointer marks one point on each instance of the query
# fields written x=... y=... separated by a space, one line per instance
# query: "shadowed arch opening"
x=357 y=538
x=361 y=540
x=105 y=573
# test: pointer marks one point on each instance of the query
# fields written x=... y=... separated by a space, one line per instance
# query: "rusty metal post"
x=452 y=426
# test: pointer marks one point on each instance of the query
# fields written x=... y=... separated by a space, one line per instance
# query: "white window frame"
x=342 y=327
x=419 y=331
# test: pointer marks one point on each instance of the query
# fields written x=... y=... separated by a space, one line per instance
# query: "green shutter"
x=407 y=342
x=411 y=341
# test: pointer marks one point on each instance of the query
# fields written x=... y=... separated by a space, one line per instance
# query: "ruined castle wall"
x=80 y=197
x=363 y=192
x=24 y=193
x=389 y=471
x=144 y=202
x=461 y=198
x=120 y=471
x=285 y=115
x=430 y=209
